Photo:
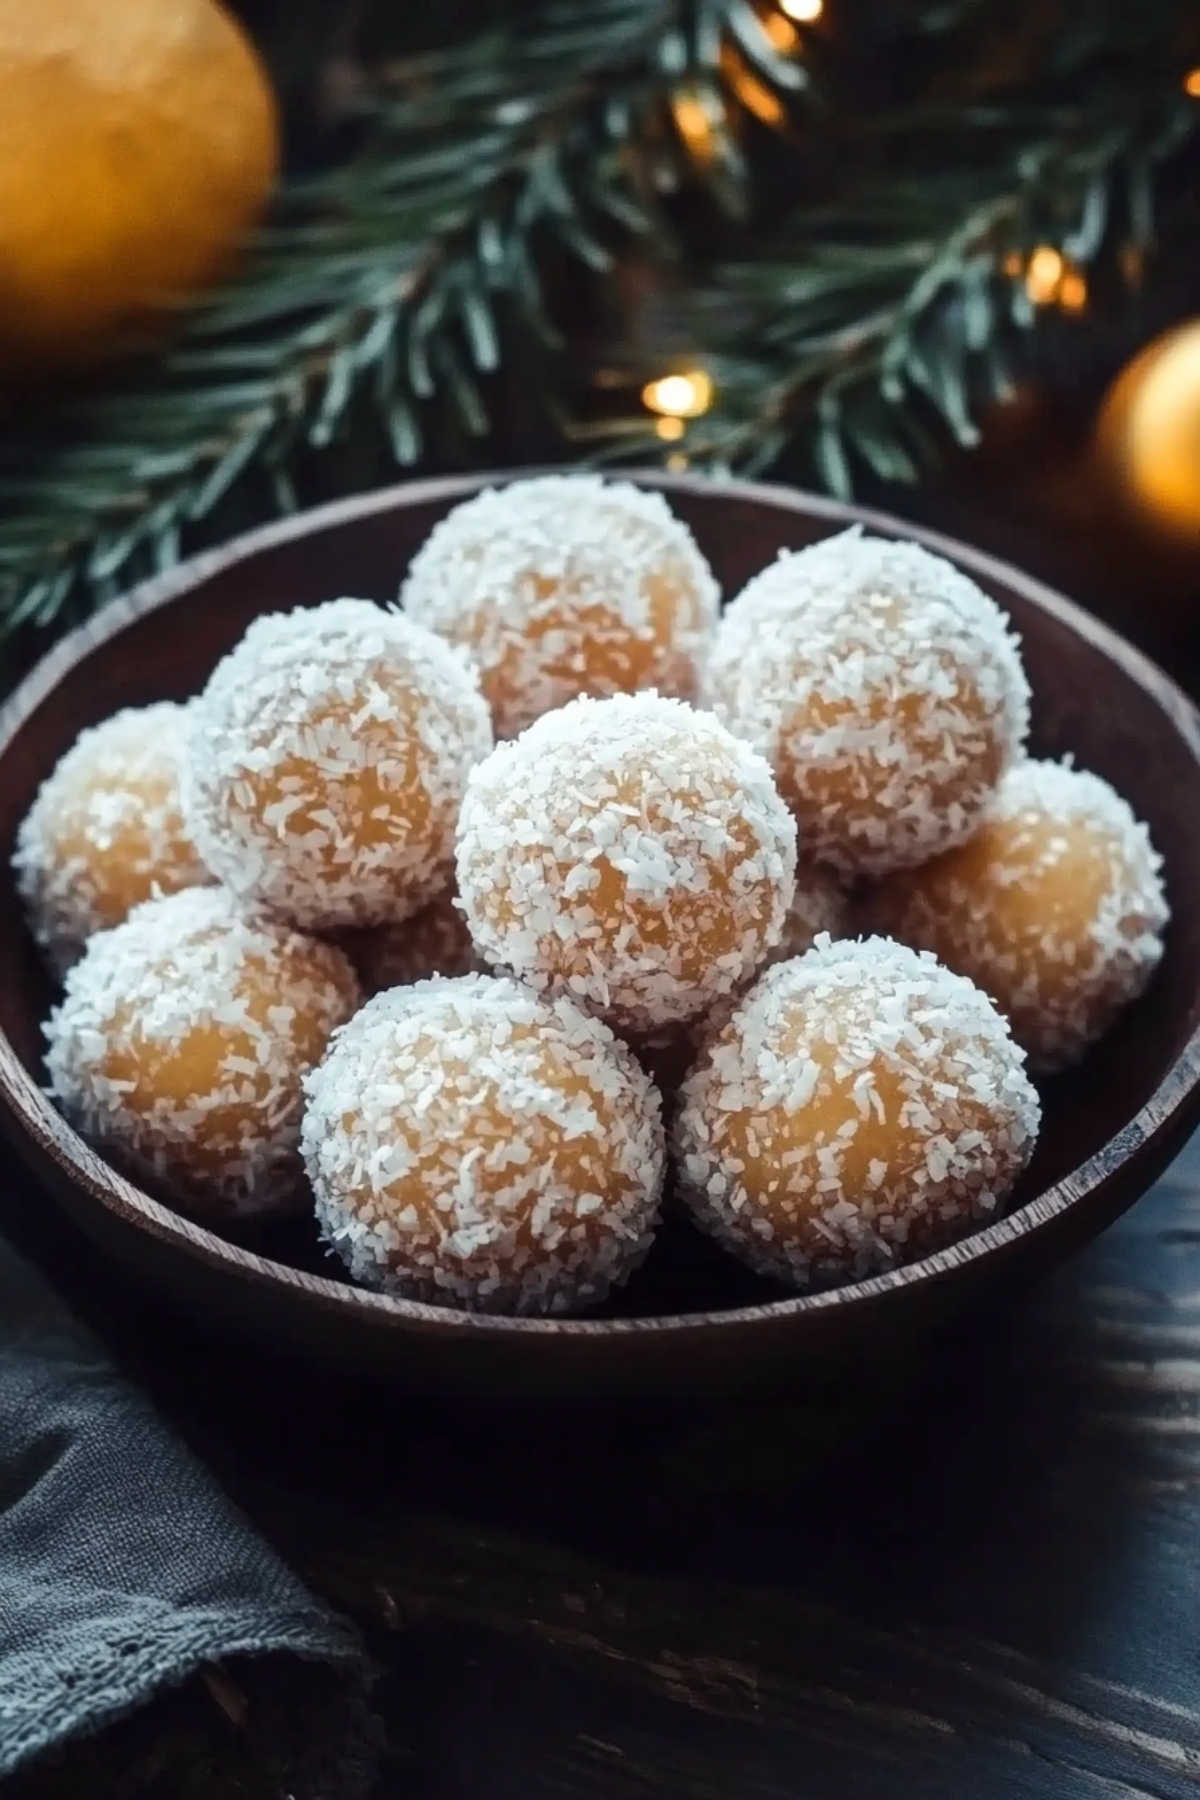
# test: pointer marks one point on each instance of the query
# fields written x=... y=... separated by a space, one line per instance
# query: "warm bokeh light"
x=1043 y=275
x=683 y=396
x=694 y=123
x=1072 y=291
x=1148 y=432
x=1191 y=83
x=756 y=97
x=670 y=430
x=805 y=12
x=1050 y=280
x=781 y=31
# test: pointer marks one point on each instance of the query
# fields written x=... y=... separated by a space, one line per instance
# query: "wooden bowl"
x=693 y=1323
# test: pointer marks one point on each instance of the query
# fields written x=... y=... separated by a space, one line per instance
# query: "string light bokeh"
x=686 y=395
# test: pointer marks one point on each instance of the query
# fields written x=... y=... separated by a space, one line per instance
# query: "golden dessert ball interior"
x=212 y=1057
x=842 y=789
x=586 y=646
x=101 y=823
x=107 y=831
x=894 y=1133
x=365 y=801
x=326 y=763
x=861 y=1108
x=576 y=1158
x=1014 y=910
x=699 y=926
x=596 y=598
x=199 y=1063
x=820 y=907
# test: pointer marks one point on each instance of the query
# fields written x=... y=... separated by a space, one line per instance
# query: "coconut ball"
x=861 y=1108
x=566 y=585
x=820 y=907
x=471 y=1145
x=886 y=691
x=326 y=764
x=1055 y=907
x=106 y=830
x=435 y=941
x=181 y=1043
x=629 y=852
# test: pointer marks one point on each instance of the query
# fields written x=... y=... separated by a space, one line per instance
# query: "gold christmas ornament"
x=139 y=144
x=1148 y=435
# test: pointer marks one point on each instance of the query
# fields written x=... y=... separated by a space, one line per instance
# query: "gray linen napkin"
x=123 y=1568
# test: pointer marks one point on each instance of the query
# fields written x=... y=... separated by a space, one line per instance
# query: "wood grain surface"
x=977 y=1579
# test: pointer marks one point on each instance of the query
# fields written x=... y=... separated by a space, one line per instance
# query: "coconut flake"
x=681 y=820
x=310 y=710
x=798 y=1061
x=472 y=1145
x=558 y=586
x=883 y=686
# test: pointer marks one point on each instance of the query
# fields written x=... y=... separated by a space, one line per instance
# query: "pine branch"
x=389 y=293
x=869 y=331
x=383 y=288
x=882 y=315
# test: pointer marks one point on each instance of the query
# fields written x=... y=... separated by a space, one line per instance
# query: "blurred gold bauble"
x=138 y=144
x=1148 y=435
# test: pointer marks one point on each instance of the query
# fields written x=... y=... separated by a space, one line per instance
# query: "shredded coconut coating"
x=181 y=1043
x=566 y=585
x=327 y=760
x=886 y=691
x=106 y=831
x=861 y=1108
x=474 y=1146
x=435 y=941
x=629 y=852
x=1056 y=908
x=820 y=907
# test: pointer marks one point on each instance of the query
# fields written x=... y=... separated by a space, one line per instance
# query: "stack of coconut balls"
x=662 y=864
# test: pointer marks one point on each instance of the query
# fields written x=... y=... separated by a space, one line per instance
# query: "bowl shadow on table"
x=957 y=1491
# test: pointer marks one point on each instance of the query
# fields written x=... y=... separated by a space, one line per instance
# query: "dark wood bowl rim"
x=85 y=1168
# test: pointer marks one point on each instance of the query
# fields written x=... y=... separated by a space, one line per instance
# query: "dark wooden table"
x=980 y=1578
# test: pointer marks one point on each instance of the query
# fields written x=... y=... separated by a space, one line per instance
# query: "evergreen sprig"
x=864 y=316
x=873 y=329
x=380 y=287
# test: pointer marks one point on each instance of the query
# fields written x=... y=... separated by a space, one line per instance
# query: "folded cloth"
x=123 y=1567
